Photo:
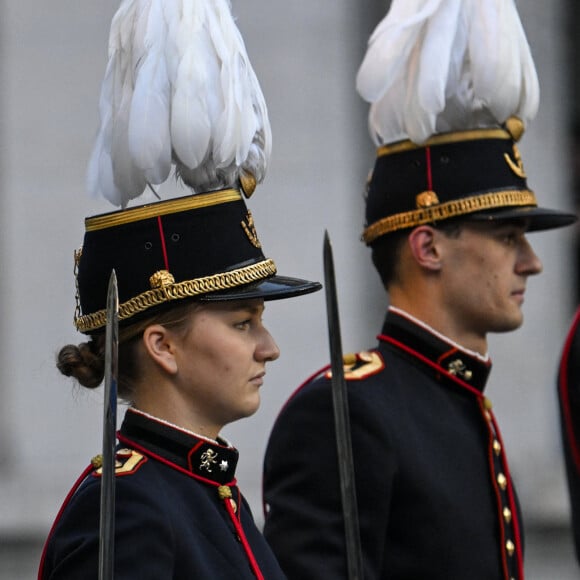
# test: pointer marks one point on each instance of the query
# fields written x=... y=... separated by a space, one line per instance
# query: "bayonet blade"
x=342 y=421
x=107 y=510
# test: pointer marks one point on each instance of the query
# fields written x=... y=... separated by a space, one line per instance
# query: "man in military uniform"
x=447 y=215
x=569 y=398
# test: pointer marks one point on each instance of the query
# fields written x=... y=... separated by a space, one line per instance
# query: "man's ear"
x=159 y=344
x=424 y=246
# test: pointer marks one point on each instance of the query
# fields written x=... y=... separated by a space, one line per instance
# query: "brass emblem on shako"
x=516 y=164
x=426 y=199
x=250 y=229
x=161 y=278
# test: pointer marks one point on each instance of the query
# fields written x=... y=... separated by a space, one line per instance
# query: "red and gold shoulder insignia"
x=127 y=462
x=360 y=365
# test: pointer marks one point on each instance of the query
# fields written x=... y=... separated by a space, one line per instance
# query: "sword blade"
x=107 y=521
x=342 y=422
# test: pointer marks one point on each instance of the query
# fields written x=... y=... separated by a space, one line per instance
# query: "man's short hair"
x=387 y=249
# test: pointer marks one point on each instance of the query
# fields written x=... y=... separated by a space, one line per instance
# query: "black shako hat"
x=476 y=174
x=202 y=247
x=451 y=86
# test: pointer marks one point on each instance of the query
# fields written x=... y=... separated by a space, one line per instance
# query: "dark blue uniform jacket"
x=435 y=497
x=171 y=522
x=569 y=397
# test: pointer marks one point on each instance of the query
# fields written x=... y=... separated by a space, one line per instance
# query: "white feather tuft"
x=179 y=90
x=149 y=138
x=445 y=65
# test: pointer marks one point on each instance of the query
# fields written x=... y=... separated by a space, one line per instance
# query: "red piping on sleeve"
x=564 y=391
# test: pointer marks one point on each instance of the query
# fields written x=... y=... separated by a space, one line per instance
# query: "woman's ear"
x=424 y=246
x=159 y=344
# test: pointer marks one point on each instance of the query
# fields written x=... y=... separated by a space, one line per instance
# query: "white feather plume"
x=179 y=91
x=445 y=65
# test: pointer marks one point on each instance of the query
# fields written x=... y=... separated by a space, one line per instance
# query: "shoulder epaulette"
x=360 y=365
x=127 y=462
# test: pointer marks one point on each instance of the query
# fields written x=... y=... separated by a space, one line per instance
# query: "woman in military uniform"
x=179 y=92
x=192 y=357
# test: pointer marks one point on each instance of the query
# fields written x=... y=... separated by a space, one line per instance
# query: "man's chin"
x=509 y=325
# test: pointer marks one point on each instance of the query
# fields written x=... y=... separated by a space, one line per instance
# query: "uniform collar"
x=470 y=367
x=207 y=459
